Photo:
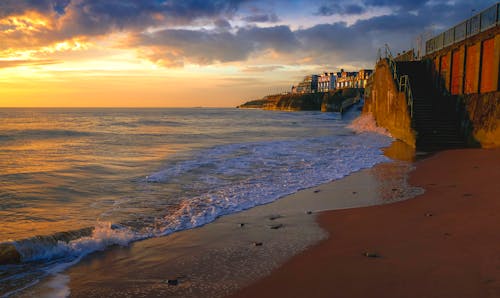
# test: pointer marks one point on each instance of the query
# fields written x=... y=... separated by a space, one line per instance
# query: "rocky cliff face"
x=321 y=101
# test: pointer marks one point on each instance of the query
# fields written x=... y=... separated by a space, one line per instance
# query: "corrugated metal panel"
x=456 y=72
x=487 y=84
x=471 y=69
x=445 y=70
x=436 y=66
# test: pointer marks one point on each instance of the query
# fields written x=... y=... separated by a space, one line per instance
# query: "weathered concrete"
x=389 y=106
x=481 y=120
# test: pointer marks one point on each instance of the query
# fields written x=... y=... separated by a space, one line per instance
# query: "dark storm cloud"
x=96 y=17
x=336 y=8
x=17 y=7
x=349 y=7
x=262 y=18
x=173 y=47
x=88 y=18
x=222 y=23
x=338 y=41
x=116 y=9
x=405 y=4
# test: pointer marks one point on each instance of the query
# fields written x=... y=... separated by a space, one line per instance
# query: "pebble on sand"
x=371 y=254
x=275 y=227
x=273 y=217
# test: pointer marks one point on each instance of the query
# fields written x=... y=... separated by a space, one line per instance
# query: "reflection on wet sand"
x=217 y=259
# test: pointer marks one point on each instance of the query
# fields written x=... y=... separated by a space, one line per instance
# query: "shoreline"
x=443 y=243
x=191 y=255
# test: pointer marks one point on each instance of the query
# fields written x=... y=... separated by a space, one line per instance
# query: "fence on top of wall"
x=482 y=21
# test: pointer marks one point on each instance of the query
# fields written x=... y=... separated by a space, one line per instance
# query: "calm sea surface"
x=73 y=181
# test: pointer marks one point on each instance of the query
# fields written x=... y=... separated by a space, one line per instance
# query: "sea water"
x=75 y=181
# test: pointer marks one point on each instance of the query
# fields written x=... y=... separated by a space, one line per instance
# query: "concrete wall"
x=388 y=105
x=481 y=119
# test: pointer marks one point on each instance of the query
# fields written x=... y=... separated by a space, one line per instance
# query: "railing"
x=404 y=86
x=484 y=20
x=403 y=82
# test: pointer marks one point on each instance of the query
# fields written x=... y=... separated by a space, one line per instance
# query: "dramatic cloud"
x=336 y=8
x=262 y=18
x=174 y=47
x=173 y=33
x=34 y=23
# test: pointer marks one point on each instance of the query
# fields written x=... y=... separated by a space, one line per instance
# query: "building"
x=308 y=85
x=362 y=78
x=346 y=79
x=353 y=79
x=327 y=82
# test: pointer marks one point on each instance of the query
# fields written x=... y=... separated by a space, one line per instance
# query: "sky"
x=192 y=53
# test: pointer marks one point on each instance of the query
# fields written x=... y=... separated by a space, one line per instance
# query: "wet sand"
x=222 y=257
x=444 y=243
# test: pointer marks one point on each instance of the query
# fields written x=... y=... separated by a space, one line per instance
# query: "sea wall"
x=481 y=119
x=470 y=66
x=321 y=101
x=470 y=70
x=389 y=106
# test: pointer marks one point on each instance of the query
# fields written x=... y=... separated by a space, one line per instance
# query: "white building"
x=327 y=82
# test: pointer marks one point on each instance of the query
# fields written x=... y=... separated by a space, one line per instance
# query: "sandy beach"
x=219 y=258
x=444 y=243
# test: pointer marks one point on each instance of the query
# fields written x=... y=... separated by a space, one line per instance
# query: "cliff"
x=334 y=101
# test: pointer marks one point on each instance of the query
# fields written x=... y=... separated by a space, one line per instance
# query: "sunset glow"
x=178 y=53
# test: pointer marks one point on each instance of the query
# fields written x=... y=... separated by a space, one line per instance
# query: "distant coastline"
x=332 y=101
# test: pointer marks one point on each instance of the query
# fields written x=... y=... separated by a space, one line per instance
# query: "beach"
x=443 y=243
x=231 y=253
x=404 y=228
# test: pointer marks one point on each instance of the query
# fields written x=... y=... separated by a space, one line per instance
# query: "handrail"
x=404 y=86
x=403 y=82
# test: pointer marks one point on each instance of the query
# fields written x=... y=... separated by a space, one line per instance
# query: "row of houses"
x=330 y=81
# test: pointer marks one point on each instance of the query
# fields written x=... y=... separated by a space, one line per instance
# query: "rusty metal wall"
x=487 y=69
x=445 y=70
x=471 y=69
x=457 y=72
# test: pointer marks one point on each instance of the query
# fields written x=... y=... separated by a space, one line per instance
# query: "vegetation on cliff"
x=320 y=101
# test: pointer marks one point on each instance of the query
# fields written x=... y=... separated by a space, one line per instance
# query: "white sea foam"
x=102 y=236
x=366 y=123
x=267 y=171
x=231 y=178
x=222 y=180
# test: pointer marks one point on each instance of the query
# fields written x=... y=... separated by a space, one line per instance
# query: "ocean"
x=76 y=181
